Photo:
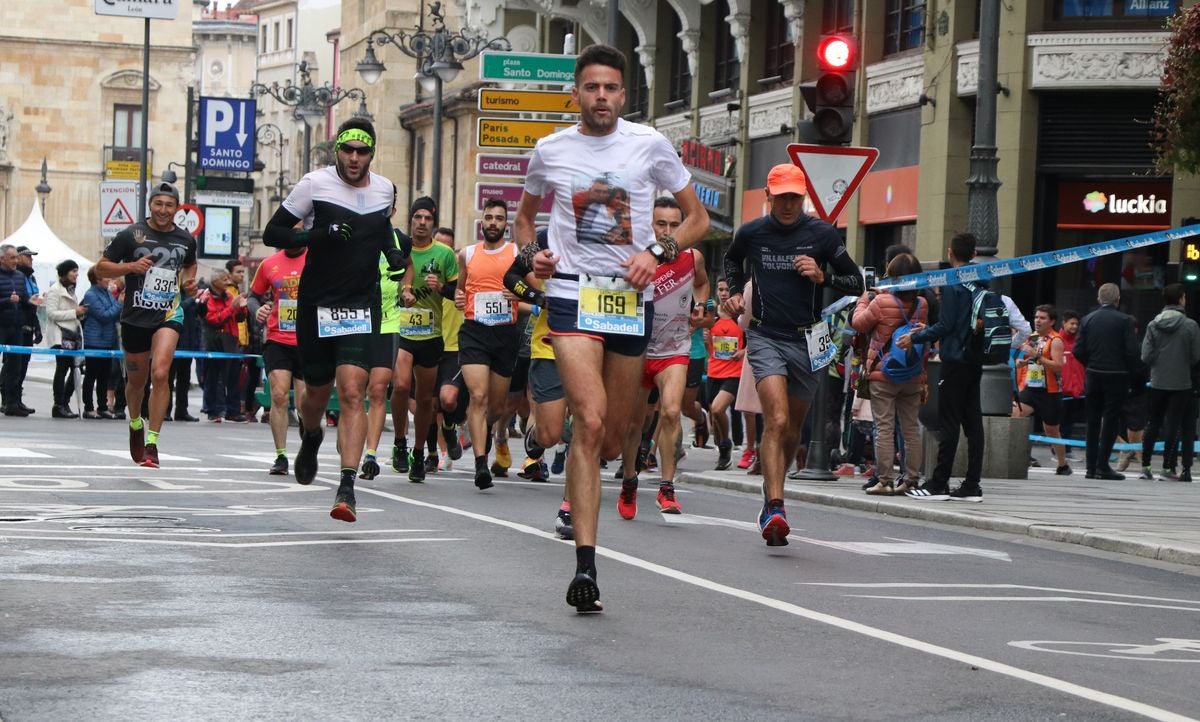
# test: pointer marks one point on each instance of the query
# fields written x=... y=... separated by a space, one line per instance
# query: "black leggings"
x=64 y=380
x=95 y=374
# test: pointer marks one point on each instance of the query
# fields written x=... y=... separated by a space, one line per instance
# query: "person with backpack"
x=1040 y=379
x=1108 y=349
x=897 y=376
x=968 y=332
x=1172 y=350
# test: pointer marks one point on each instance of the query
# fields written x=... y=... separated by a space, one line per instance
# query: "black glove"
x=37 y=336
x=340 y=231
x=397 y=260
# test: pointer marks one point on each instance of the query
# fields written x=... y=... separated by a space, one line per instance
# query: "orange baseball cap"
x=786 y=178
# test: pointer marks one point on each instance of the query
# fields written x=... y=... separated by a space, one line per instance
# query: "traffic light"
x=1189 y=262
x=831 y=96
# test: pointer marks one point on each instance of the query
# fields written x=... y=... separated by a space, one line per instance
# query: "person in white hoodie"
x=1171 y=348
x=64 y=331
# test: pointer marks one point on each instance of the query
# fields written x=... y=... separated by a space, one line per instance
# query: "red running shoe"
x=666 y=499
x=627 y=501
x=747 y=459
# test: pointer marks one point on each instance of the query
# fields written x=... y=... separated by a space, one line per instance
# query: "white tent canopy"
x=50 y=249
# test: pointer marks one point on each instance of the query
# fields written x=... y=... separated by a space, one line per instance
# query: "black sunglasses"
x=356 y=149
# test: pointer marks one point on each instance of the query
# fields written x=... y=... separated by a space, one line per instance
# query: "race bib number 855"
x=333 y=322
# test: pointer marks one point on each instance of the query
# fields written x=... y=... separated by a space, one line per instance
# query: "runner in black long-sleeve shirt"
x=787 y=343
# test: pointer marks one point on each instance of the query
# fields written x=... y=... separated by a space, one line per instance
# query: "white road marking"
x=939 y=585
x=235 y=545
x=162 y=485
x=879 y=549
x=124 y=454
x=1121 y=650
x=1072 y=596
x=13 y=452
x=1053 y=683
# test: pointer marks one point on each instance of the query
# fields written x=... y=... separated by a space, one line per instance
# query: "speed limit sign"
x=188 y=218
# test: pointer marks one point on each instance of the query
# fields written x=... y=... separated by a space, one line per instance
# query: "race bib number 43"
x=416 y=321
x=610 y=305
x=334 y=322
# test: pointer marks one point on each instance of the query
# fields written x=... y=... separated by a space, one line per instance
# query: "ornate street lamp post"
x=309 y=102
x=43 y=188
x=440 y=55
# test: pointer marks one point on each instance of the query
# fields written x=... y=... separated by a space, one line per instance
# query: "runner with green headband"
x=345 y=211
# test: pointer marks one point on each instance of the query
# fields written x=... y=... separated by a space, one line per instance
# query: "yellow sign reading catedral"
x=502 y=133
x=526 y=101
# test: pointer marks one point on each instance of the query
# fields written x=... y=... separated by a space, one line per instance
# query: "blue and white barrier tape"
x=1036 y=262
x=108 y=353
x=1055 y=441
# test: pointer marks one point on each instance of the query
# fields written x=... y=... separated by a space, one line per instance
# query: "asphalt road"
x=208 y=589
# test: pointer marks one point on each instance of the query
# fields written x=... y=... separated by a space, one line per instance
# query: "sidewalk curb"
x=1105 y=540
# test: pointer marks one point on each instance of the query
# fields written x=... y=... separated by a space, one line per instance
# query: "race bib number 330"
x=610 y=305
x=333 y=322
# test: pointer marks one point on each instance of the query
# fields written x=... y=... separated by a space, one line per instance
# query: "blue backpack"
x=902 y=366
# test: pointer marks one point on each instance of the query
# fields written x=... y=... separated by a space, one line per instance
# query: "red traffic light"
x=836 y=53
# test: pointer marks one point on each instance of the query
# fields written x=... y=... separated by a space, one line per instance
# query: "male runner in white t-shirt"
x=598 y=290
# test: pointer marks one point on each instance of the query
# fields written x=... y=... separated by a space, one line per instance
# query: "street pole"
x=141 y=193
x=188 y=167
x=307 y=147
x=614 y=13
x=983 y=183
x=436 y=189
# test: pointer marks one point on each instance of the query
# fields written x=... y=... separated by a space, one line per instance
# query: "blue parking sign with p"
x=227 y=134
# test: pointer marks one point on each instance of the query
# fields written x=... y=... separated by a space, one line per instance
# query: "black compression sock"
x=431 y=439
x=585 y=561
x=348 y=477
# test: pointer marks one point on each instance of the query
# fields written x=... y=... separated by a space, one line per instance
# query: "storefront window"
x=904 y=26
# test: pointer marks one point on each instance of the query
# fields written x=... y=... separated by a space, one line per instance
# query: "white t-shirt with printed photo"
x=604 y=190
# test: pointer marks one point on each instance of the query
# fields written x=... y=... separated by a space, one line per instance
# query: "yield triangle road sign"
x=118 y=215
x=833 y=172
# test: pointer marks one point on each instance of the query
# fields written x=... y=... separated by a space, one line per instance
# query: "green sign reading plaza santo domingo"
x=527 y=68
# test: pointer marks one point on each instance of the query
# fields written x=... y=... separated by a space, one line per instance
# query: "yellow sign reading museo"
x=123 y=170
x=504 y=133
x=527 y=101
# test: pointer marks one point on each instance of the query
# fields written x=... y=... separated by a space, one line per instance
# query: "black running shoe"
x=416 y=469
x=137 y=443
x=431 y=464
x=483 y=477
x=344 y=508
x=563 y=526
x=306 y=460
x=280 y=467
x=370 y=468
x=400 y=458
x=453 y=447
x=724 y=452
x=584 y=594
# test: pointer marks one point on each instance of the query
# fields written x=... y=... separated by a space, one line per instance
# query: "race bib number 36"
x=820 y=345
x=334 y=322
x=610 y=305
x=493 y=309
x=287 y=315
